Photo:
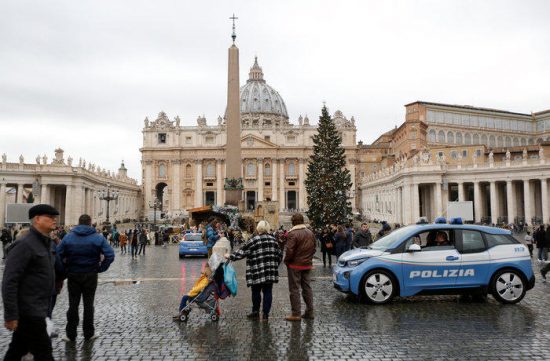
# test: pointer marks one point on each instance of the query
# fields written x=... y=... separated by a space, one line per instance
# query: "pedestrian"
x=363 y=238
x=123 y=240
x=27 y=286
x=386 y=228
x=529 y=242
x=60 y=277
x=84 y=254
x=539 y=237
x=212 y=235
x=349 y=236
x=546 y=242
x=340 y=241
x=5 y=237
x=142 y=241
x=327 y=246
x=115 y=235
x=134 y=243
x=263 y=256
x=299 y=251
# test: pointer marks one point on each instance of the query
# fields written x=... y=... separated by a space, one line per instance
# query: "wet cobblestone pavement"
x=135 y=322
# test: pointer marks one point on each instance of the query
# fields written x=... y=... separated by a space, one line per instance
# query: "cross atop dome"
x=234 y=34
x=256 y=72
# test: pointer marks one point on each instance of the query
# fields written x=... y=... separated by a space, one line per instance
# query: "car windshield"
x=383 y=243
x=193 y=237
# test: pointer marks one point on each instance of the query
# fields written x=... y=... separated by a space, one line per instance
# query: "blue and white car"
x=192 y=245
x=407 y=262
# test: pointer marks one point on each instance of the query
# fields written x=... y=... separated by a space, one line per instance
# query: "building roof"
x=469 y=107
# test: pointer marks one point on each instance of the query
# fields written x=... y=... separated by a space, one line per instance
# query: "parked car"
x=191 y=245
x=438 y=259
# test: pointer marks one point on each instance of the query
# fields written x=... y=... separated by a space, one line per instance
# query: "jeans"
x=141 y=248
x=184 y=301
x=30 y=336
x=133 y=250
x=300 y=279
x=123 y=249
x=257 y=290
x=542 y=254
x=81 y=285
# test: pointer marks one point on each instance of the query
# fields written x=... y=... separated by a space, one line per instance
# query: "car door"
x=475 y=263
x=434 y=267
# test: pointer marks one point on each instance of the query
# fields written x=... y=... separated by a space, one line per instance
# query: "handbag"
x=329 y=245
x=230 y=278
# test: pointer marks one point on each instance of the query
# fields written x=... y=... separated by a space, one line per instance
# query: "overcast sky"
x=82 y=75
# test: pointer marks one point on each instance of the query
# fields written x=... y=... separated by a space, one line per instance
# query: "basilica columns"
x=219 y=183
x=399 y=211
x=44 y=194
x=69 y=205
x=415 y=202
x=274 y=174
x=527 y=201
x=198 y=183
x=438 y=209
x=147 y=184
x=176 y=204
x=302 y=189
x=494 y=202
x=260 y=162
x=19 y=193
x=544 y=198
x=282 y=201
x=477 y=201
x=461 y=197
x=2 y=202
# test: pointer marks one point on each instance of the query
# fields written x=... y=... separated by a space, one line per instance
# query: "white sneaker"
x=96 y=335
x=66 y=338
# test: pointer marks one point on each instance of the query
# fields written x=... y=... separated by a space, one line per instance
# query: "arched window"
x=162 y=170
x=291 y=169
x=516 y=142
x=267 y=170
x=450 y=138
x=475 y=139
x=468 y=139
x=531 y=141
x=210 y=170
x=492 y=142
x=250 y=169
x=188 y=172
x=431 y=136
x=441 y=137
x=484 y=139
x=508 y=142
x=523 y=141
x=459 y=138
x=500 y=142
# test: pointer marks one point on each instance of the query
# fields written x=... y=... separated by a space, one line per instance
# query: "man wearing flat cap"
x=27 y=286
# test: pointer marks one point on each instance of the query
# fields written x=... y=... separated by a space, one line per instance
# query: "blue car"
x=192 y=245
x=437 y=259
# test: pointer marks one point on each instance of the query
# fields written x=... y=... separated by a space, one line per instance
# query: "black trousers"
x=142 y=248
x=257 y=290
x=30 y=336
x=81 y=285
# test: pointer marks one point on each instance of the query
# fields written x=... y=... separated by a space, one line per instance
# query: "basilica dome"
x=257 y=97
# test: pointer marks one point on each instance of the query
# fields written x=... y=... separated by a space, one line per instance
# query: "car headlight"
x=356 y=262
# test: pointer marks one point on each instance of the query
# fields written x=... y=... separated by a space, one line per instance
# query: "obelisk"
x=233 y=181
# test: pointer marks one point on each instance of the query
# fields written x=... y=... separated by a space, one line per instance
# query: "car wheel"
x=378 y=287
x=508 y=286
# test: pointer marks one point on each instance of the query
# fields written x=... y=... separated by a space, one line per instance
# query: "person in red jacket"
x=300 y=248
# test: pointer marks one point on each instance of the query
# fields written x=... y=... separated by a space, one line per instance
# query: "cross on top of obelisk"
x=234 y=34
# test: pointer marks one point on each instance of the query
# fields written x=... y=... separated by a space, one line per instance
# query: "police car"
x=437 y=259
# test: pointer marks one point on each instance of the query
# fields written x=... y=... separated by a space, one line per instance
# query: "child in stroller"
x=206 y=292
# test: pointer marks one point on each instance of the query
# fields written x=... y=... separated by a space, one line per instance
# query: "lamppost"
x=155 y=204
x=107 y=195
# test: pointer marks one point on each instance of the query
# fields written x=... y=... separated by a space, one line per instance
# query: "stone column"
x=527 y=201
x=2 y=204
x=19 y=193
x=282 y=201
x=301 y=184
x=176 y=192
x=78 y=203
x=510 y=202
x=260 y=163
x=44 y=195
x=415 y=203
x=461 y=197
x=147 y=185
x=438 y=209
x=219 y=183
x=477 y=201
x=494 y=202
x=544 y=198
x=198 y=183
x=274 y=196
x=398 y=202
x=69 y=219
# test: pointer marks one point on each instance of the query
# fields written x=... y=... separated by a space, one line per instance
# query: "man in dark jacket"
x=212 y=235
x=84 y=253
x=300 y=248
x=362 y=238
x=27 y=286
x=6 y=240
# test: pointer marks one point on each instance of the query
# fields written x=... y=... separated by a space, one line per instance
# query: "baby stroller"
x=209 y=298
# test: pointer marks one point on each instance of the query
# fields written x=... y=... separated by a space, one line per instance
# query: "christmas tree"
x=328 y=180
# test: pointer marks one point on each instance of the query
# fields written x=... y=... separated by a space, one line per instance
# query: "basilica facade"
x=184 y=166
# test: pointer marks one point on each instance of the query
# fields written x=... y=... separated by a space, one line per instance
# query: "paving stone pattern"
x=135 y=322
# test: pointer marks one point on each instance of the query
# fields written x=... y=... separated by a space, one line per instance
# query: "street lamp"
x=107 y=195
x=155 y=204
